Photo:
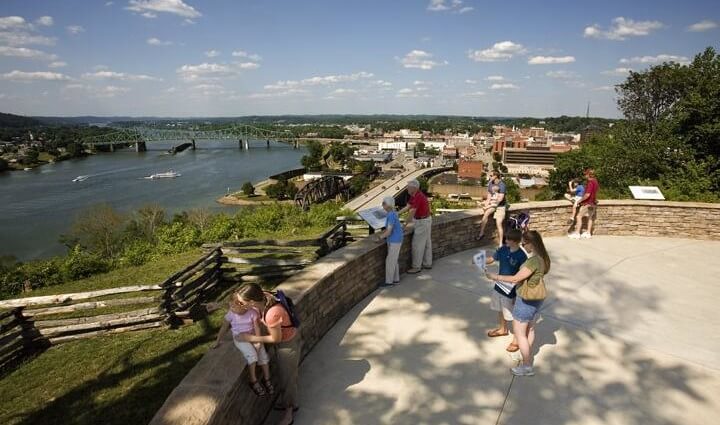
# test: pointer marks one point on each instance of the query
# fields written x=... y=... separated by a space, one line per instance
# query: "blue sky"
x=235 y=57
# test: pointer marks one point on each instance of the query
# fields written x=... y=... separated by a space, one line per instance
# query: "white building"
x=393 y=146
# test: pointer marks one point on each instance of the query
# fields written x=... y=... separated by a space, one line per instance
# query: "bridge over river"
x=140 y=136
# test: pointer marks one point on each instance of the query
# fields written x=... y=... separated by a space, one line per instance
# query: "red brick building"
x=470 y=169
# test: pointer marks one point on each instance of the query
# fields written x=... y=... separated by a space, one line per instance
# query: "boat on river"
x=80 y=178
x=166 y=175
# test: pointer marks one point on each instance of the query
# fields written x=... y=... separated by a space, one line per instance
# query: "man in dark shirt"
x=421 y=220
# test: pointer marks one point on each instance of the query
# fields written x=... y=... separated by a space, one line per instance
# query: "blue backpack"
x=288 y=305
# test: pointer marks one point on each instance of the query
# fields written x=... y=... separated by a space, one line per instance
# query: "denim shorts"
x=525 y=311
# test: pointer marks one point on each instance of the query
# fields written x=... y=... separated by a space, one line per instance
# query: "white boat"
x=27 y=169
x=166 y=175
x=80 y=178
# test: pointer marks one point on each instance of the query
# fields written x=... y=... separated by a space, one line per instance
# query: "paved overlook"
x=628 y=336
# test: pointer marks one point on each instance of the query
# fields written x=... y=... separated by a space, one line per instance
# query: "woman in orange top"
x=284 y=336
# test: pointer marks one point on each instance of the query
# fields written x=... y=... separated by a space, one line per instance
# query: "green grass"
x=147 y=274
x=119 y=379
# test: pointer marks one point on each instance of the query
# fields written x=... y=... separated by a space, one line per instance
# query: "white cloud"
x=34 y=76
x=503 y=86
x=622 y=28
x=318 y=81
x=45 y=21
x=74 y=29
x=248 y=65
x=23 y=52
x=420 y=59
x=704 y=25
x=244 y=54
x=381 y=83
x=278 y=94
x=603 y=88
x=619 y=72
x=157 y=42
x=499 y=52
x=471 y=82
x=149 y=15
x=420 y=83
x=416 y=92
x=121 y=76
x=57 y=64
x=16 y=31
x=454 y=6
x=212 y=71
x=656 y=59
x=149 y=8
x=108 y=3
x=549 y=60
x=212 y=53
x=561 y=75
x=342 y=92
x=474 y=94
x=495 y=78
x=110 y=91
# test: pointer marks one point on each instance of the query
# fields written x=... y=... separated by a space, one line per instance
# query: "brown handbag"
x=535 y=292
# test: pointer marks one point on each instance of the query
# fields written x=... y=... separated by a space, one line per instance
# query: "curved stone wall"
x=215 y=391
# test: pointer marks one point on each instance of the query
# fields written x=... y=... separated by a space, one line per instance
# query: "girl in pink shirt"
x=242 y=319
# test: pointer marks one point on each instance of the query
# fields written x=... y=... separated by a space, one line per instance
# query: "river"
x=39 y=205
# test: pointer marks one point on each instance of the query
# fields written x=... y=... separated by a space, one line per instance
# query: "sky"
x=184 y=58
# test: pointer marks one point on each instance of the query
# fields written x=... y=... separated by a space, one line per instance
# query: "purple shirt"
x=242 y=323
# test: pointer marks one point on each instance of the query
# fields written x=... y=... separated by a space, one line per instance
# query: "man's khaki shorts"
x=588 y=211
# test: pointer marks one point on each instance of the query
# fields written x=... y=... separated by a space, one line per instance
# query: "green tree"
x=512 y=190
x=312 y=161
x=100 y=230
x=248 y=189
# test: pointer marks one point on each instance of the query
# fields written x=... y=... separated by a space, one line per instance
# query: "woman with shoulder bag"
x=531 y=293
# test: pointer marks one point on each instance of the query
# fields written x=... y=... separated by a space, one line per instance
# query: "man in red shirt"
x=588 y=207
x=421 y=220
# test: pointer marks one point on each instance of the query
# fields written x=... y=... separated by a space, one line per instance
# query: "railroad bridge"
x=140 y=136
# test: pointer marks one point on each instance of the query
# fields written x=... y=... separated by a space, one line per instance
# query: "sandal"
x=495 y=333
x=257 y=389
x=512 y=347
x=269 y=386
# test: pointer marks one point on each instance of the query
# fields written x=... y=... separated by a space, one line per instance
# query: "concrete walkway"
x=628 y=336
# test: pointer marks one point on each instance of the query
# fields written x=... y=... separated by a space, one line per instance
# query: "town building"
x=470 y=169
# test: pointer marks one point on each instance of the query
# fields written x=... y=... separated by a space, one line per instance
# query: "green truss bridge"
x=140 y=136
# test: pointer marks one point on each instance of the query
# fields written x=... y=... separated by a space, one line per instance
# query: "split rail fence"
x=32 y=324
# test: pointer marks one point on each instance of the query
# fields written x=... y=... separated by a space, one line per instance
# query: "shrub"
x=248 y=189
x=79 y=263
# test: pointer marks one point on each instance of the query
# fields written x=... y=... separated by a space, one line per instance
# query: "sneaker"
x=414 y=271
x=574 y=235
x=386 y=285
x=586 y=235
x=522 y=370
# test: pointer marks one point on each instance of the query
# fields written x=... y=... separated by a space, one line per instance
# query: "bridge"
x=140 y=136
x=391 y=187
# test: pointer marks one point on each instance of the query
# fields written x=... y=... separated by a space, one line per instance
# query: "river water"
x=37 y=206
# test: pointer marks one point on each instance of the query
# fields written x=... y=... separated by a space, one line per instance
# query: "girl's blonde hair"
x=538 y=246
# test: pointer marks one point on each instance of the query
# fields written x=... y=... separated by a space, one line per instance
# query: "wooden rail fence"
x=31 y=324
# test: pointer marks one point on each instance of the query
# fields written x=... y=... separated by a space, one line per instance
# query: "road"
x=390 y=187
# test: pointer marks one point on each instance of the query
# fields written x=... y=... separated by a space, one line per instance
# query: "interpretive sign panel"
x=646 y=192
x=374 y=216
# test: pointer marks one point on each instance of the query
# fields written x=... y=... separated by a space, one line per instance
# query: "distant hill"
x=17 y=121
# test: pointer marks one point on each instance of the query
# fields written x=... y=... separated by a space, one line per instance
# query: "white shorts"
x=502 y=303
x=251 y=354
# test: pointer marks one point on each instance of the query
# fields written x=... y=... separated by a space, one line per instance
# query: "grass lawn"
x=120 y=379
x=115 y=379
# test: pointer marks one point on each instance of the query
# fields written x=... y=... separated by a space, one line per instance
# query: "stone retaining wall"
x=216 y=391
